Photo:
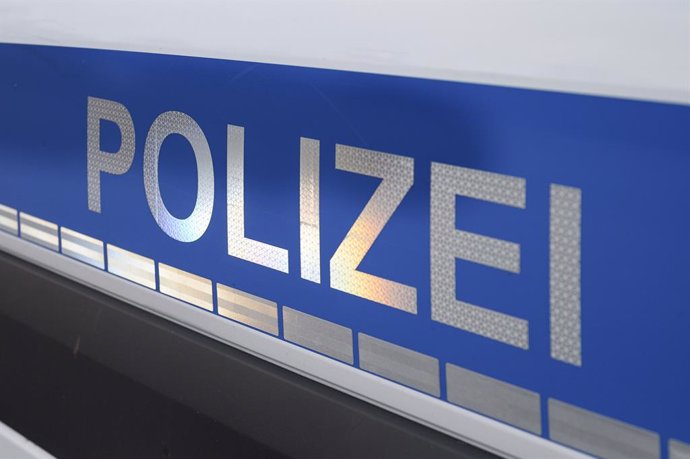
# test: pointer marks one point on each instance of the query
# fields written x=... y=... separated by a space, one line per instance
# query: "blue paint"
x=630 y=159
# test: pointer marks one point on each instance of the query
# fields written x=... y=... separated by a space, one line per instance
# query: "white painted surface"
x=15 y=446
x=636 y=49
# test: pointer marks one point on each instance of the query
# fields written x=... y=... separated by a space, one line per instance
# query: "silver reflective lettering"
x=448 y=243
x=397 y=173
x=309 y=221
x=238 y=245
x=194 y=226
x=115 y=163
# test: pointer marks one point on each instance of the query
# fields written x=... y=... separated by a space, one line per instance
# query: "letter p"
x=116 y=163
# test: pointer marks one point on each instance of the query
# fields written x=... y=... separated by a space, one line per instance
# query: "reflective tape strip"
x=400 y=364
x=39 y=231
x=317 y=334
x=600 y=435
x=491 y=397
x=131 y=266
x=8 y=212
x=570 y=425
x=9 y=224
x=8 y=220
x=249 y=309
x=446 y=418
x=678 y=450
x=185 y=286
x=82 y=247
x=40 y=237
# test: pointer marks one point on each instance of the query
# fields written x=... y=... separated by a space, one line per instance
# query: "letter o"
x=194 y=226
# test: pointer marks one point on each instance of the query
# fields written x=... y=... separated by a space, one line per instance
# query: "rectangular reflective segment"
x=506 y=402
x=39 y=231
x=403 y=365
x=185 y=286
x=317 y=334
x=678 y=450
x=600 y=435
x=131 y=266
x=249 y=309
x=8 y=220
x=82 y=247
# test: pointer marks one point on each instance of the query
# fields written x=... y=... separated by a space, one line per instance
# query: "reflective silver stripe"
x=82 y=247
x=38 y=223
x=678 y=450
x=8 y=212
x=249 y=309
x=600 y=435
x=497 y=399
x=39 y=231
x=9 y=225
x=8 y=220
x=400 y=364
x=79 y=252
x=317 y=334
x=131 y=266
x=80 y=239
x=185 y=286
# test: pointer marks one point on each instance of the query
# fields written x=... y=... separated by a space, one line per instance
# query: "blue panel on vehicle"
x=570 y=246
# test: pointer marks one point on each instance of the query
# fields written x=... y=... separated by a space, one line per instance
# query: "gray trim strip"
x=403 y=365
x=198 y=297
x=39 y=231
x=600 y=435
x=8 y=212
x=93 y=252
x=500 y=400
x=320 y=335
x=246 y=308
x=678 y=450
x=72 y=237
x=9 y=225
x=37 y=223
x=131 y=266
